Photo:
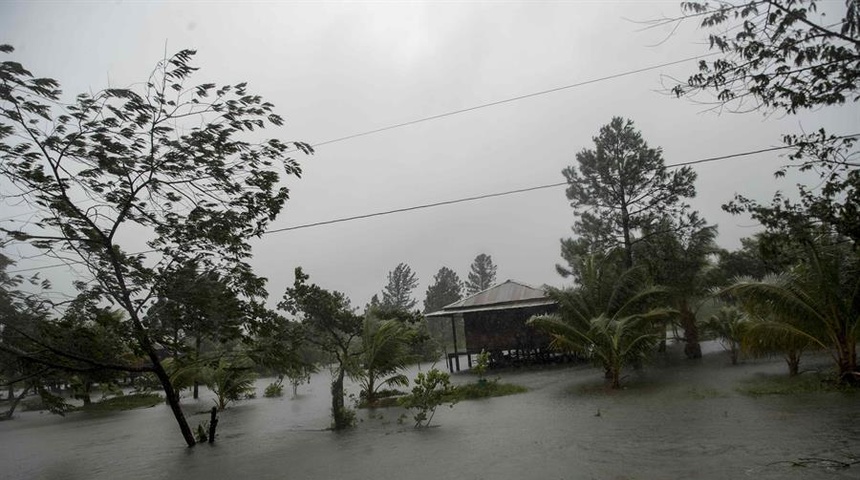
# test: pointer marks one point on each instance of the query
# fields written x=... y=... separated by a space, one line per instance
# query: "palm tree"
x=730 y=326
x=818 y=300
x=607 y=318
x=385 y=352
x=765 y=336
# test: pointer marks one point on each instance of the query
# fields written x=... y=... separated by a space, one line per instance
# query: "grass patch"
x=811 y=382
x=472 y=391
x=125 y=402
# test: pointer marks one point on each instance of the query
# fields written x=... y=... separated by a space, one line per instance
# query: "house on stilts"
x=494 y=320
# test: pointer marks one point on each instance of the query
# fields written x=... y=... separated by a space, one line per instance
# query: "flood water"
x=679 y=419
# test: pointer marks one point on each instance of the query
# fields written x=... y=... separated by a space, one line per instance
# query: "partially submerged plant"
x=430 y=391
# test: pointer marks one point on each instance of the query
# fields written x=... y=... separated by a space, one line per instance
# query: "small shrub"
x=481 y=366
x=202 y=432
x=487 y=389
x=431 y=390
x=275 y=389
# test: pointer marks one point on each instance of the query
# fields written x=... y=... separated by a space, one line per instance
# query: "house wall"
x=504 y=329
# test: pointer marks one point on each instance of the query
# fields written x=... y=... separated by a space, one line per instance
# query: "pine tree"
x=446 y=289
x=483 y=274
x=398 y=293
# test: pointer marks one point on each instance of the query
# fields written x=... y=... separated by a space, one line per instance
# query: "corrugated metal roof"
x=509 y=294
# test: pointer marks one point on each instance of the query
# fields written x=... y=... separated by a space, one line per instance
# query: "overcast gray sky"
x=340 y=68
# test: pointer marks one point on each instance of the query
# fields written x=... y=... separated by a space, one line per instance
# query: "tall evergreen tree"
x=398 y=293
x=447 y=288
x=620 y=187
x=482 y=276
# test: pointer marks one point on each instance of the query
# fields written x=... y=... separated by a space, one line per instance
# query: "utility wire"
x=513 y=99
x=467 y=199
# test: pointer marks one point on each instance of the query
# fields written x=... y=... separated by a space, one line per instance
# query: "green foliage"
x=275 y=389
x=397 y=293
x=780 y=54
x=328 y=321
x=231 y=380
x=608 y=318
x=177 y=164
x=54 y=403
x=431 y=390
x=482 y=274
x=818 y=300
x=731 y=327
x=202 y=432
x=619 y=188
x=445 y=289
x=787 y=55
x=486 y=389
x=481 y=365
x=384 y=354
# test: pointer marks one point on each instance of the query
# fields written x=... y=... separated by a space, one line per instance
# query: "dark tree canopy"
x=330 y=323
x=789 y=55
x=177 y=164
x=782 y=54
x=397 y=294
x=482 y=274
x=446 y=289
x=619 y=188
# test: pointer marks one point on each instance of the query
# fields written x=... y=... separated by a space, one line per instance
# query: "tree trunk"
x=195 y=393
x=14 y=401
x=846 y=351
x=734 y=352
x=692 y=349
x=172 y=399
x=792 y=358
x=615 y=374
x=337 y=405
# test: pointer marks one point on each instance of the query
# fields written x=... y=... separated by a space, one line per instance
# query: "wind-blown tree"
x=384 y=355
x=789 y=56
x=609 y=317
x=482 y=274
x=765 y=337
x=678 y=259
x=818 y=300
x=168 y=161
x=730 y=326
x=397 y=294
x=446 y=289
x=619 y=188
x=330 y=324
x=20 y=321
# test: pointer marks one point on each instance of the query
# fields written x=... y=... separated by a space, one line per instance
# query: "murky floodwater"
x=682 y=420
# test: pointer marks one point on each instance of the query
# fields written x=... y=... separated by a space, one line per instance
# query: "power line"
x=467 y=199
x=513 y=99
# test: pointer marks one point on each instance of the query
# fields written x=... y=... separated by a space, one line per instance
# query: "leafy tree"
x=193 y=307
x=446 y=289
x=780 y=54
x=384 y=354
x=730 y=326
x=482 y=275
x=678 y=259
x=619 y=188
x=818 y=300
x=788 y=55
x=607 y=318
x=763 y=336
x=397 y=294
x=329 y=323
x=168 y=161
